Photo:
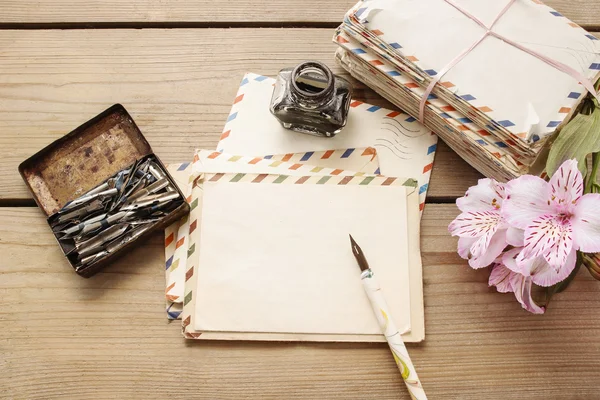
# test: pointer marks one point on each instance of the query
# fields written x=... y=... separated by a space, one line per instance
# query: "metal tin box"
x=86 y=158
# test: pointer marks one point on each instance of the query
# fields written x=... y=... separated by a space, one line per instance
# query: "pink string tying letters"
x=488 y=32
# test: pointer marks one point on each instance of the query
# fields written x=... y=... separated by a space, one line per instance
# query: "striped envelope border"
x=175 y=242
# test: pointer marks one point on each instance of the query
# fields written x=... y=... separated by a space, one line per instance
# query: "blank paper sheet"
x=277 y=257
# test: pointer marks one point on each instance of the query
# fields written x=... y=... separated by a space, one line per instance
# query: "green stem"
x=592 y=178
x=593 y=98
x=587 y=106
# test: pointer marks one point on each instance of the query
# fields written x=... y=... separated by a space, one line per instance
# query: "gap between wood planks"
x=17 y=203
x=185 y=25
x=31 y=202
x=167 y=25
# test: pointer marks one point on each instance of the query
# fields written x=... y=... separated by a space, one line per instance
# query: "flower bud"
x=592 y=263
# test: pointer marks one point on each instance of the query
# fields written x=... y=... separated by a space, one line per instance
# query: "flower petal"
x=557 y=256
x=485 y=196
x=508 y=259
x=475 y=224
x=499 y=188
x=586 y=223
x=500 y=277
x=522 y=289
x=566 y=186
x=543 y=234
x=515 y=237
x=483 y=242
x=543 y=274
x=464 y=246
x=527 y=198
x=483 y=256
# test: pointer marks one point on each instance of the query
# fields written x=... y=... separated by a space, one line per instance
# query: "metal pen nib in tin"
x=153 y=188
x=87 y=247
x=88 y=198
x=155 y=171
x=109 y=184
x=98 y=189
x=114 y=246
x=77 y=228
x=127 y=180
x=95 y=205
x=139 y=185
x=106 y=222
x=144 y=222
x=121 y=216
x=118 y=181
x=100 y=222
x=91 y=259
x=149 y=201
x=131 y=235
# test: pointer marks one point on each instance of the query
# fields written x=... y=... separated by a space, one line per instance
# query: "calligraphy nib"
x=358 y=254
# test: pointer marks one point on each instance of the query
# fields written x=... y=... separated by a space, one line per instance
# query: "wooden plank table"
x=65 y=337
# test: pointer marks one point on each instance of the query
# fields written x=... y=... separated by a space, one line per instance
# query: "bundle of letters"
x=500 y=77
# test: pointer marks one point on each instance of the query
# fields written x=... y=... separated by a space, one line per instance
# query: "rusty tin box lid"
x=84 y=158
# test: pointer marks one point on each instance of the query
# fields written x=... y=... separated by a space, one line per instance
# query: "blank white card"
x=277 y=257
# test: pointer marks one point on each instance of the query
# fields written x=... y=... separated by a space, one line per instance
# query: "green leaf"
x=577 y=139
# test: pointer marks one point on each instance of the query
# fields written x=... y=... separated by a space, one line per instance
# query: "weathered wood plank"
x=178 y=85
x=583 y=12
x=64 y=336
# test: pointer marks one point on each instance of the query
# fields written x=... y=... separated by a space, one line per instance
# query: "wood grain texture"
x=178 y=85
x=62 y=336
x=583 y=12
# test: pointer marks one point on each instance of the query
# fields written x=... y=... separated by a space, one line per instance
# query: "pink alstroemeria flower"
x=483 y=233
x=557 y=218
x=507 y=280
x=541 y=273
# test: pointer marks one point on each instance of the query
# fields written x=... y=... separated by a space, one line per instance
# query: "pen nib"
x=359 y=255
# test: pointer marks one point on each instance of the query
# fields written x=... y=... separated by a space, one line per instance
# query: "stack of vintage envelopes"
x=265 y=254
x=500 y=105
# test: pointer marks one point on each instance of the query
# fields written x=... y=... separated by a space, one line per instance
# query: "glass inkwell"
x=310 y=99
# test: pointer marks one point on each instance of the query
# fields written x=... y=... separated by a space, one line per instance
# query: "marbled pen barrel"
x=392 y=335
